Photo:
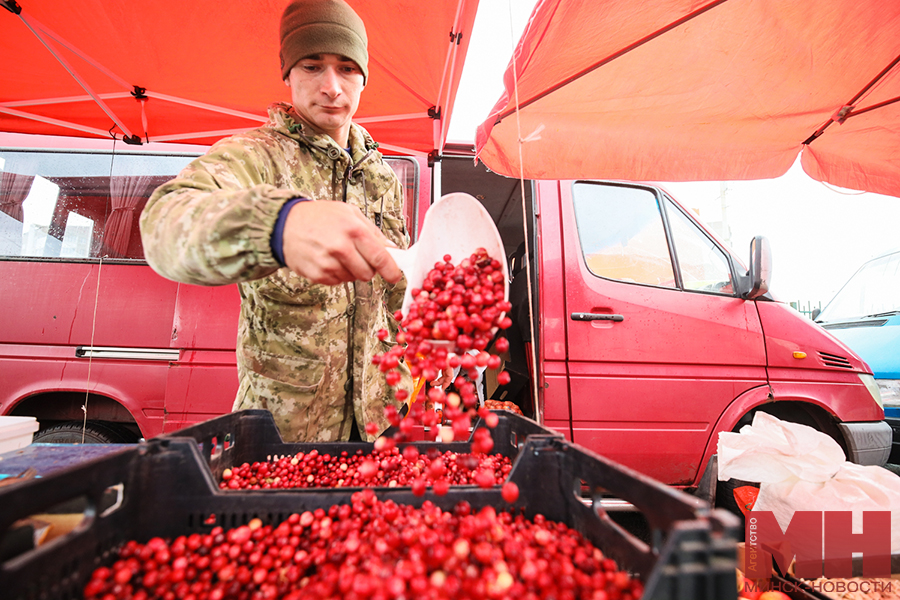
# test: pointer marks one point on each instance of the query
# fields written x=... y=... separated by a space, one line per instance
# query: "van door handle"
x=596 y=317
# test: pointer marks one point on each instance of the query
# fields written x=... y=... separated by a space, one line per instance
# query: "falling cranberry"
x=510 y=492
x=450 y=323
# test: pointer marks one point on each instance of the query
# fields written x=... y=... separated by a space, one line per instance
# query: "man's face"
x=325 y=91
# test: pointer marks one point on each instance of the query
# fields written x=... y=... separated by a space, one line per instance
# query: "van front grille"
x=833 y=360
x=854 y=324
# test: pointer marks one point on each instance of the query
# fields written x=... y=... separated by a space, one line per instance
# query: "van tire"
x=95 y=432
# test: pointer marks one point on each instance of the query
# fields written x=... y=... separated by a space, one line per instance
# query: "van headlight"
x=890 y=391
x=873 y=388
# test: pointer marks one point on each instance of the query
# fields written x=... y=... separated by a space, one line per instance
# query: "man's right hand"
x=333 y=242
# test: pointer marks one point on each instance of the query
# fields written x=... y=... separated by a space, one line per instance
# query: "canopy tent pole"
x=449 y=62
x=454 y=36
x=157 y=95
x=848 y=109
x=388 y=118
x=64 y=100
x=856 y=113
x=205 y=106
x=6 y=107
x=34 y=27
x=61 y=41
x=49 y=121
x=198 y=134
x=402 y=150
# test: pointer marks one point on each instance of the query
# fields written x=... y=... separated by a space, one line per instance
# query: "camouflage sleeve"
x=212 y=224
x=395 y=230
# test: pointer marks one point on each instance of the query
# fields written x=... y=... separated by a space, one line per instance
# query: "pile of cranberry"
x=369 y=549
x=388 y=468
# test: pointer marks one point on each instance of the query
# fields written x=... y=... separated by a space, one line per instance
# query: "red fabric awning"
x=682 y=90
x=209 y=68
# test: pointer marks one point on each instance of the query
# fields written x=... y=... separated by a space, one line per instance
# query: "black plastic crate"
x=168 y=491
x=251 y=435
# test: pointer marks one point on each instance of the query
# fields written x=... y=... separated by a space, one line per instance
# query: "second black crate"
x=250 y=436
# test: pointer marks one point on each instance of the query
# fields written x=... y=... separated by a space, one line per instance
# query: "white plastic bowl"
x=457 y=225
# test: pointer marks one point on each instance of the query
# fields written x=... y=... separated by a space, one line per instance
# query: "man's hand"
x=332 y=243
x=446 y=377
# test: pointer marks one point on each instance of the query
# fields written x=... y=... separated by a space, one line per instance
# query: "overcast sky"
x=819 y=235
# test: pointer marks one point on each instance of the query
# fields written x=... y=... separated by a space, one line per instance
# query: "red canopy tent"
x=688 y=90
x=195 y=71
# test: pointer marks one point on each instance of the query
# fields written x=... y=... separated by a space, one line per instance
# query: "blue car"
x=865 y=315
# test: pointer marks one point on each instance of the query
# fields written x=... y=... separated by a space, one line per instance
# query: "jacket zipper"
x=351 y=307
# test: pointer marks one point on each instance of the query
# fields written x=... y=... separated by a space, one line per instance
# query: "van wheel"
x=94 y=432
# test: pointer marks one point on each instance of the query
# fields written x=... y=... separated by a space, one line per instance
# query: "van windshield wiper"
x=883 y=314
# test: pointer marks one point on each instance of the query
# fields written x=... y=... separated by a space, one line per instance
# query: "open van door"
x=640 y=273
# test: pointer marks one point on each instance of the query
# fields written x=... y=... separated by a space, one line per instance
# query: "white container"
x=16 y=432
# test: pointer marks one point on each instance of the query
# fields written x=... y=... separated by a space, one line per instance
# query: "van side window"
x=622 y=234
x=407 y=171
x=77 y=205
x=704 y=266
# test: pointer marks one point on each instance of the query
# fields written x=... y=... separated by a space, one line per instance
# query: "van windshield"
x=874 y=290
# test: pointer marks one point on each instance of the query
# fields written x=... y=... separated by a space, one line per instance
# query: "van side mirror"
x=815 y=313
x=760 y=267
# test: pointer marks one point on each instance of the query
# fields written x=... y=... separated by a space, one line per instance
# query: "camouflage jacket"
x=304 y=350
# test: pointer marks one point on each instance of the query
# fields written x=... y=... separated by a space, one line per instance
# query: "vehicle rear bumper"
x=868 y=442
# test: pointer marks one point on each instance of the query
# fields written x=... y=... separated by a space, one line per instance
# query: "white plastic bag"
x=800 y=468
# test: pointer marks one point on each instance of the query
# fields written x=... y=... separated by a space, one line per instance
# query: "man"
x=298 y=213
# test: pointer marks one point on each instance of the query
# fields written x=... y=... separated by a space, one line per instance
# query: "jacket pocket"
x=287 y=287
x=394 y=228
x=288 y=387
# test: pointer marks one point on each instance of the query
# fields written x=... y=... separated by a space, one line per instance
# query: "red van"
x=651 y=337
x=646 y=336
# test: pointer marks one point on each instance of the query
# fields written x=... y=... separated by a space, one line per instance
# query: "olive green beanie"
x=322 y=27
